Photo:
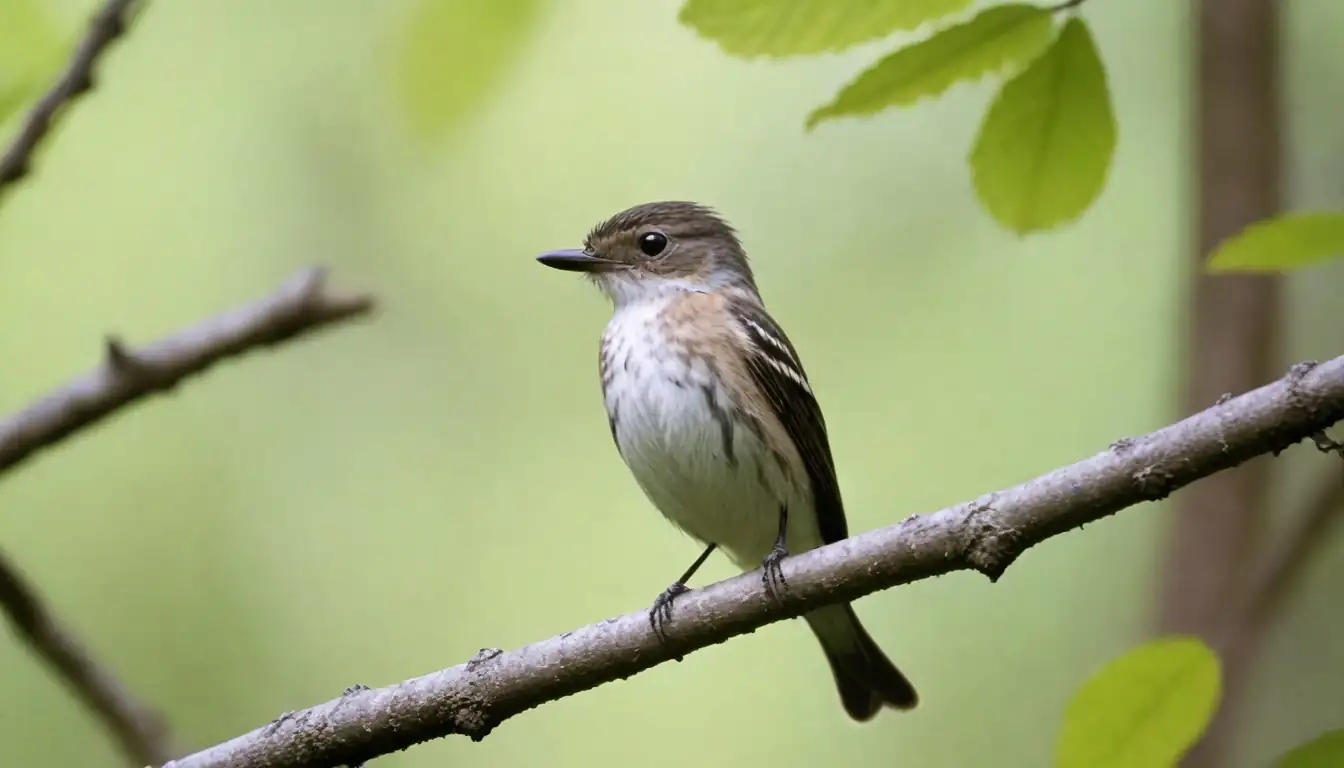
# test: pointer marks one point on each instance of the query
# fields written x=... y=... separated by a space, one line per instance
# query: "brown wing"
x=777 y=370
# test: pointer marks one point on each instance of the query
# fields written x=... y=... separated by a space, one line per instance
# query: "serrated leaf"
x=797 y=27
x=1281 y=243
x=1046 y=143
x=1146 y=708
x=453 y=52
x=1325 y=751
x=996 y=39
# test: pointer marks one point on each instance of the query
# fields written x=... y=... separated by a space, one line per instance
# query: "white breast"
x=669 y=414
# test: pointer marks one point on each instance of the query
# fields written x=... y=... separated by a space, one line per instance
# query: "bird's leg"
x=661 y=612
x=773 y=575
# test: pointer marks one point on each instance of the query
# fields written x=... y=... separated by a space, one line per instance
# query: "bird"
x=711 y=411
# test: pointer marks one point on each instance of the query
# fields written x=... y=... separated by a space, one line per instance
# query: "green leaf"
x=796 y=27
x=998 y=38
x=1326 y=751
x=29 y=42
x=1047 y=141
x=1281 y=243
x=1146 y=708
x=11 y=99
x=31 y=51
x=453 y=53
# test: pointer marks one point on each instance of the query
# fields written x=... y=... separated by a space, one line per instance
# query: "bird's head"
x=653 y=249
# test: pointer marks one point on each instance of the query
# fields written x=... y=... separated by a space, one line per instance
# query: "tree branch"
x=1234 y=330
x=105 y=27
x=138 y=730
x=1284 y=567
x=126 y=375
x=985 y=535
x=1274 y=581
x=302 y=304
x=1234 y=319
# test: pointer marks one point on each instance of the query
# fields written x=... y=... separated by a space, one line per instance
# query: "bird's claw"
x=772 y=576
x=661 y=612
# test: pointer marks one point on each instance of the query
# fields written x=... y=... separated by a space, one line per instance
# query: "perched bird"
x=712 y=412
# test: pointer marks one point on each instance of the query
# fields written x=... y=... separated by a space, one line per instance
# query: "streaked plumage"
x=713 y=413
x=714 y=477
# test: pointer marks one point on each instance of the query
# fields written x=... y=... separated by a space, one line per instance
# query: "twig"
x=1277 y=577
x=1065 y=5
x=1326 y=445
x=301 y=305
x=1255 y=608
x=1284 y=568
x=985 y=535
x=138 y=730
x=126 y=376
x=105 y=27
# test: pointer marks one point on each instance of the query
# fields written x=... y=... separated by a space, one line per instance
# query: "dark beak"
x=577 y=261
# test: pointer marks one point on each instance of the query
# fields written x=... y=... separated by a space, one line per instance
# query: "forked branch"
x=125 y=376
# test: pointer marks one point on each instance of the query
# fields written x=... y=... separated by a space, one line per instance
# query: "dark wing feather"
x=778 y=371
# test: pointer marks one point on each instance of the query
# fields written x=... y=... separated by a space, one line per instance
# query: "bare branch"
x=105 y=27
x=1285 y=566
x=985 y=535
x=138 y=730
x=1272 y=584
x=127 y=375
x=1263 y=594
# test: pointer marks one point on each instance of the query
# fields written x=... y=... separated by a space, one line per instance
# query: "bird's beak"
x=577 y=261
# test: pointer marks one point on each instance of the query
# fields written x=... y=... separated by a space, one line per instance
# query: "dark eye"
x=652 y=243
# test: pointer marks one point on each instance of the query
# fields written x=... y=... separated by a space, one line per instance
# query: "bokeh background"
x=383 y=500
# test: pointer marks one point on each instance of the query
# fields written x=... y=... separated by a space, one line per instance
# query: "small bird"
x=713 y=414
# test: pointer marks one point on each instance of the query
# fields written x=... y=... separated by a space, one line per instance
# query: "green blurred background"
x=386 y=499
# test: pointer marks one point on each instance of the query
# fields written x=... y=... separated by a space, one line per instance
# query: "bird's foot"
x=773 y=575
x=661 y=612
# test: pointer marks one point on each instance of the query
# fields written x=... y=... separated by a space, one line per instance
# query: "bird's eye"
x=652 y=243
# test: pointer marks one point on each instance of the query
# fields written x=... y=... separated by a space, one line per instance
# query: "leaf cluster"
x=1048 y=138
x=1045 y=144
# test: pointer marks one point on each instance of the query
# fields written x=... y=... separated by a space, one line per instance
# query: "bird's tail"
x=866 y=679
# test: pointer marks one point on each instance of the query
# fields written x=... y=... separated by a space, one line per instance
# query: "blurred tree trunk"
x=1233 y=326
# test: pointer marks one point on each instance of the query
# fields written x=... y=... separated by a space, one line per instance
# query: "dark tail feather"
x=866 y=679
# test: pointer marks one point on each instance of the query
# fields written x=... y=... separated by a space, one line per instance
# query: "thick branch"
x=105 y=27
x=1234 y=318
x=1234 y=328
x=128 y=375
x=985 y=535
x=138 y=730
